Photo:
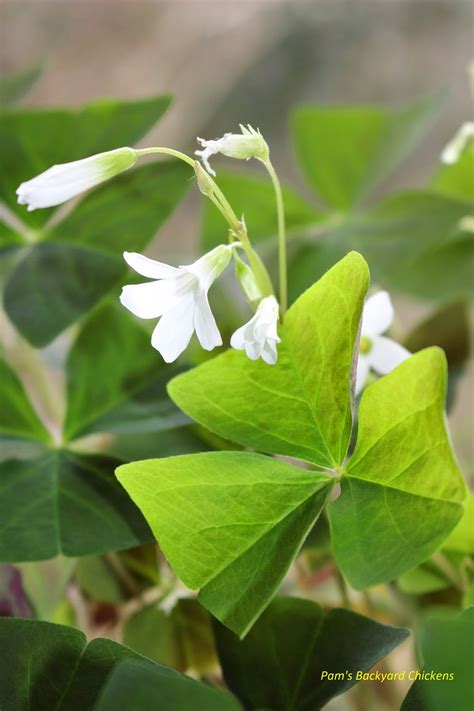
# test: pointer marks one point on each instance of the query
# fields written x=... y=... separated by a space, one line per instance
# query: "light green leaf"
x=45 y=583
x=54 y=284
x=115 y=380
x=346 y=152
x=462 y=537
x=230 y=523
x=9 y=238
x=33 y=140
x=280 y=665
x=254 y=198
x=402 y=492
x=300 y=407
x=457 y=179
x=426 y=578
x=446 y=641
x=73 y=506
x=45 y=666
x=17 y=416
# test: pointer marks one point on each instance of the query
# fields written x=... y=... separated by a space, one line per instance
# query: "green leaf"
x=447 y=650
x=402 y=491
x=448 y=328
x=14 y=85
x=33 y=140
x=426 y=578
x=457 y=179
x=73 y=506
x=345 y=152
x=230 y=523
x=280 y=665
x=9 y=238
x=300 y=407
x=181 y=638
x=97 y=580
x=254 y=198
x=115 y=380
x=412 y=241
x=45 y=666
x=137 y=686
x=45 y=584
x=63 y=277
x=54 y=284
x=127 y=212
x=462 y=537
x=17 y=416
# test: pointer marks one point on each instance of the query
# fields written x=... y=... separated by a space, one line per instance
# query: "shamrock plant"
x=231 y=523
x=313 y=421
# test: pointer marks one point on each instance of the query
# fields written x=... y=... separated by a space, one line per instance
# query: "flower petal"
x=174 y=330
x=386 y=355
x=205 y=324
x=363 y=367
x=269 y=352
x=149 y=267
x=378 y=314
x=149 y=300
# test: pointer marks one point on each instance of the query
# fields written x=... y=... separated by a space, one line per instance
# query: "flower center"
x=365 y=345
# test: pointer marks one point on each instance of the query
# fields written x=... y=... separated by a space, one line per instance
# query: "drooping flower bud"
x=66 y=180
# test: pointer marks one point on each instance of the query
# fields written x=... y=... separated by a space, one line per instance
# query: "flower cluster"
x=178 y=296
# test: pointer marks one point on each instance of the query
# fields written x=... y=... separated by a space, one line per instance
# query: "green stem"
x=282 y=267
x=167 y=151
x=237 y=226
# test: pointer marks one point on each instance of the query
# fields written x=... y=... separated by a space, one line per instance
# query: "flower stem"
x=282 y=267
x=237 y=226
x=167 y=151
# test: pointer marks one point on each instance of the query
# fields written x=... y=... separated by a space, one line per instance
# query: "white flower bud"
x=248 y=144
x=66 y=180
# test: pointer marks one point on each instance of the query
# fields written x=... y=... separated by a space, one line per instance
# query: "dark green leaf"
x=230 y=523
x=280 y=665
x=346 y=152
x=55 y=284
x=33 y=140
x=65 y=503
x=402 y=492
x=254 y=198
x=412 y=242
x=45 y=667
x=126 y=213
x=138 y=686
x=115 y=380
x=300 y=407
x=17 y=416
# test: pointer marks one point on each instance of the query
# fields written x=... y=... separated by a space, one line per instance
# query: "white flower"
x=179 y=296
x=64 y=181
x=259 y=337
x=248 y=144
x=452 y=152
x=377 y=352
